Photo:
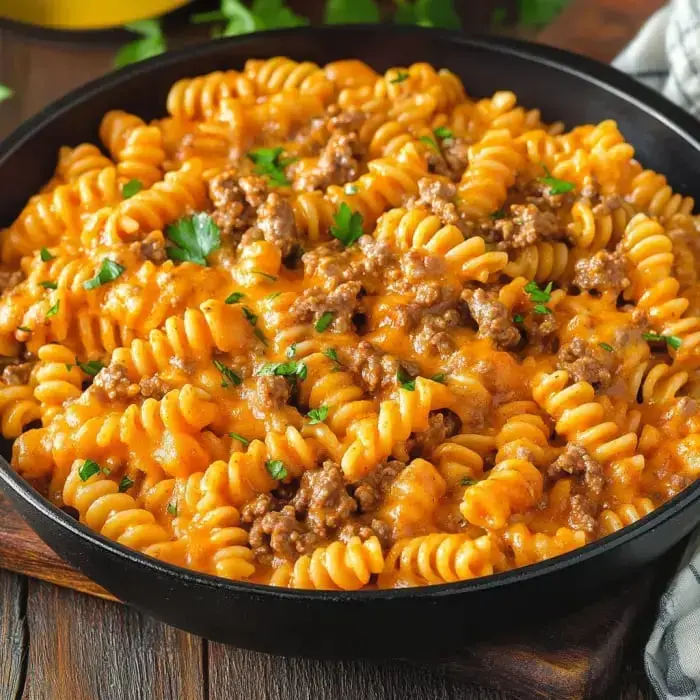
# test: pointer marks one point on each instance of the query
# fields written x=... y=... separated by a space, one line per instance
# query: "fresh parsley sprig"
x=291 y=370
x=539 y=297
x=347 y=225
x=276 y=468
x=230 y=378
x=268 y=162
x=151 y=43
x=556 y=186
x=324 y=321
x=318 y=415
x=108 y=272
x=672 y=341
x=195 y=237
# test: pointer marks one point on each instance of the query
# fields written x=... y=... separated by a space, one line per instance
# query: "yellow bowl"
x=84 y=14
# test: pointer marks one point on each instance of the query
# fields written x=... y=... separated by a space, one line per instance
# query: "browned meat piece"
x=254 y=189
x=374 y=367
x=418 y=265
x=341 y=302
x=279 y=533
x=441 y=425
x=525 y=225
x=323 y=496
x=113 y=382
x=377 y=528
x=582 y=512
x=542 y=332
x=153 y=387
x=439 y=196
x=492 y=317
x=10 y=279
x=345 y=122
x=152 y=248
x=376 y=257
x=540 y=194
x=602 y=271
x=576 y=461
x=337 y=164
x=277 y=223
x=450 y=160
x=433 y=333
x=263 y=503
x=587 y=363
x=370 y=491
x=235 y=201
x=271 y=393
x=17 y=373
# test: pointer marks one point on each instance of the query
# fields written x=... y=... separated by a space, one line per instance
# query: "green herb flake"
x=109 y=271
x=48 y=284
x=131 y=188
x=439 y=378
x=351 y=188
x=518 y=318
x=244 y=441
x=605 y=346
x=556 y=186
x=272 y=278
x=152 y=43
x=69 y=367
x=106 y=471
x=230 y=377
x=541 y=309
x=171 y=509
x=24 y=329
x=498 y=214
x=400 y=77
x=292 y=370
x=274 y=295
x=466 y=481
x=53 y=310
x=671 y=340
x=260 y=336
x=442 y=132
x=674 y=341
x=429 y=142
x=291 y=351
x=90 y=368
x=537 y=295
x=45 y=255
x=318 y=415
x=5 y=92
x=347 y=225
x=195 y=237
x=332 y=354
x=249 y=315
x=276 y=468
x=125 y=484
x=324 y=321
x=406 y=381
x=351 y=12
x=88 y=469
x=268 y=162
x=234 y=298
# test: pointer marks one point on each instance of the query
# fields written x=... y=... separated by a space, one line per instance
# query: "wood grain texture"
x=13 y=634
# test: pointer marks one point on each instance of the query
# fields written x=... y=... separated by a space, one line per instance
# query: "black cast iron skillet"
x=407 y=622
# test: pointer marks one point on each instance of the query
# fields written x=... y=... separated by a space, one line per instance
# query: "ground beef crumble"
x=603 y=271
x=337 y=164
x=370 y=491
x=277 y=223
x=587 y=363
x=576 y=461
x=439 y=197
x=450 y=159
x=492 y=317
x=10 y=279
x=524 y=225
x=17 y=373
x=341 y=302
x=271 y=393
x=113 y=382
x=441 y=426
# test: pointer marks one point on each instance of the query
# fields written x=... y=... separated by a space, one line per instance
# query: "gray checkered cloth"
x=666 y=56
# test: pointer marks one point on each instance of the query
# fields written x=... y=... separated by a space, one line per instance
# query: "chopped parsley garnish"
x=260 y=336
x=88 y=469
x=274 y=295
x=466 y=481
x=106 y=471
x=45 y=255
x=538 y=295
x=268 y=162
x=347 y=225
x=556 y=186
x=324 y=321
x=272 y=278
x=48 y=284
x=318 y=415
x=541 y=309
x=400 y=77
x=671 y=340
x=53 y=310
x=249 y=315
x=109 y=271
x=607 y=347
x=230 y=377
x=442 y=132
x=90 y=368
x=276 y=468
x=498 y=214
x=234 y=298
x=24 y=328
x=195 y=237
x=244 y=441
x=332 y=354
x=429 y=142
x=171 y=508
x=291 y=370
x=439 y=378
x=125 y=484
x=69 y=367
x=518 y=318
x=131 y=188
x=351 y=188
x=291 y=351
x=406 y=381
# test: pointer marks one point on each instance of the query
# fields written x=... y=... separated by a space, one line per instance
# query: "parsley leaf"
x=442 y=132
x=538 y=13
x=556 y=186
x=263 y=14
x=249 y=315
x=429 y=142
x=152 y=43
x=318 y=415
x=347 y=226
x=518 y=318
x=230 y=377
x=538 y=295
x=69 y=367
x=291 y=351
x=332 y=354
x=351 y=12
x=268 y=162
x=672 y=340
x=292 y=370
x=90 y=368
x=171 y=509
x=53 y=310
x=439 y=378
x=466 y=481
x=109 y=271
x=428 y=13
x=88 y=469
x=273 y=295
x=244 y=441
x=195 y=237
x=272 y=278
x=45 y=255
x=605 y=346
x=498 y=214
x=541 y=309
x=24 y=329
x=324 y=321
x=260 y=336
x=400 y=77
x=5 y=92
x=125 y=484
x=276 y=468
x=351 y=188
x=131 y=188
x=405 y=380
x=48 y=284
x=234 y=298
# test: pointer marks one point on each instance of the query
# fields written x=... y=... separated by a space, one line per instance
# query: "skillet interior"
x=407 y=622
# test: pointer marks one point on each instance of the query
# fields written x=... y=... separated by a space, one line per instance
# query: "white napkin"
x=665 y=55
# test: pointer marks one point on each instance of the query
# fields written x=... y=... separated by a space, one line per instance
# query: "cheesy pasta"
x=321 y=327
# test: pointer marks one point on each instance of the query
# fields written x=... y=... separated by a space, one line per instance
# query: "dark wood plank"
x=13 y=634
x=83 y=648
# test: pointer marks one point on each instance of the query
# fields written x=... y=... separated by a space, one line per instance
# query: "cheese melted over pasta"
x=325 y=328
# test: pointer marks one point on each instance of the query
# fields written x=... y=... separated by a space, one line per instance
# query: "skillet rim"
x=602 y=76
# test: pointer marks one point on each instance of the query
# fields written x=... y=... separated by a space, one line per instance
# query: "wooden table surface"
x=56 y=644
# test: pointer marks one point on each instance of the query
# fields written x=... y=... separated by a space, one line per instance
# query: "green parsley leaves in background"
x=151 y=43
